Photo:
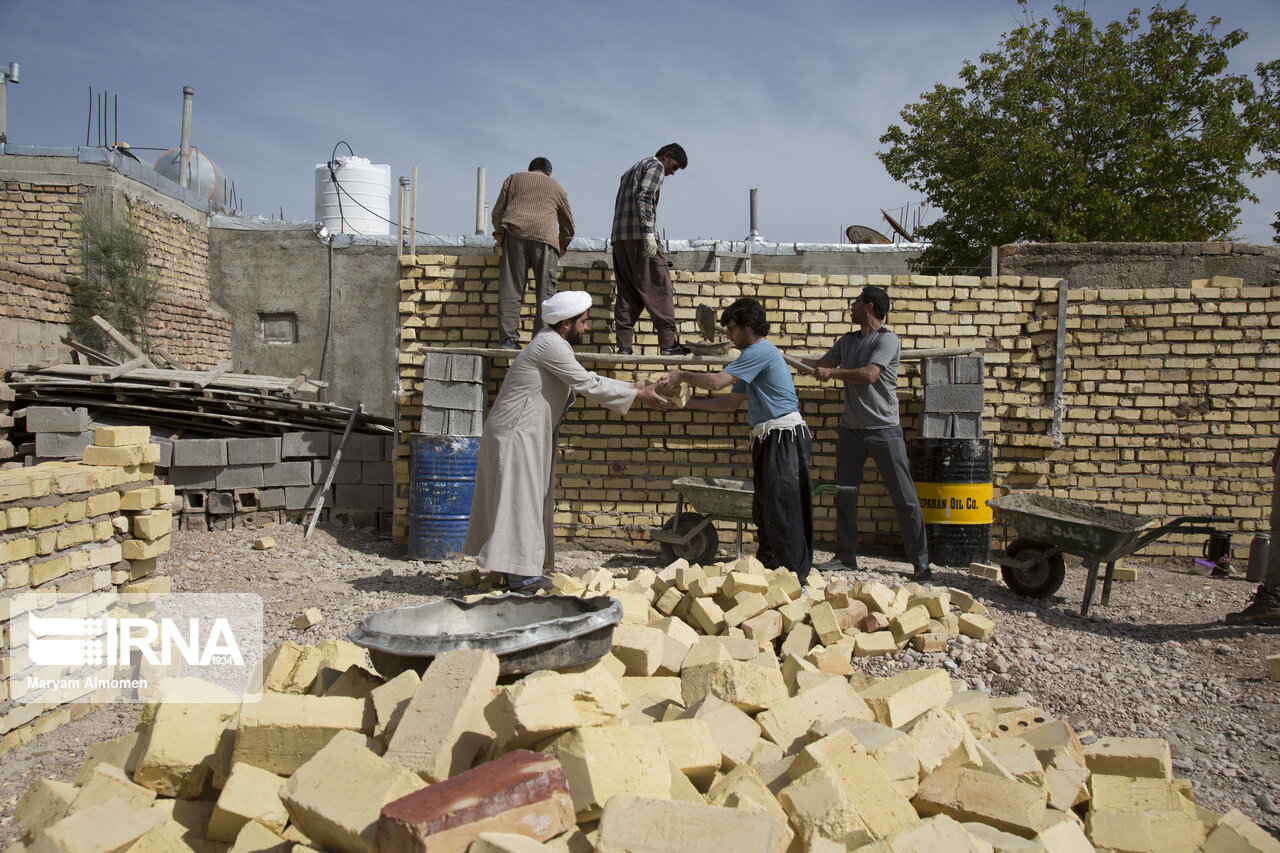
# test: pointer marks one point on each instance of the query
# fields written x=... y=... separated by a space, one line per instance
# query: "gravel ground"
x=1157 y=662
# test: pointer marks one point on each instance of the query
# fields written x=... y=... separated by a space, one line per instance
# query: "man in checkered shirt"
x=639 y=264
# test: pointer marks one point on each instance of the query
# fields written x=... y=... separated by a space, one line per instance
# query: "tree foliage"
x=117 y=279
x=1072 y=132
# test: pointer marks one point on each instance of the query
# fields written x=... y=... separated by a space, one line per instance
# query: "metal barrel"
x=952 y=477
x=1258 y=557
x=442 y=480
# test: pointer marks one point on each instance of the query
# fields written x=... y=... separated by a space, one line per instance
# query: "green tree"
x=1070 y=132
x=117 y=281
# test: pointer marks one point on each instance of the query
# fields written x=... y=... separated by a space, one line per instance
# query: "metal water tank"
x=355 y=197
x=203 y=177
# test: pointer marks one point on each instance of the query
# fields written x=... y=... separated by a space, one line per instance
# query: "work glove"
x=650 y=246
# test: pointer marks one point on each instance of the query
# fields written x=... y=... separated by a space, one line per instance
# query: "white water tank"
x=359 y=202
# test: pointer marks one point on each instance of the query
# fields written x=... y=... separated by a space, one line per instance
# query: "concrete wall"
x=1142 y=265
x=1170 y=392
x=278 y=281
x=42 y=198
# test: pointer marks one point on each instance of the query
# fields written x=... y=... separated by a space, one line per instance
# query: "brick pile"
x=68 y=529
x=1161 y=385
x=734 y=751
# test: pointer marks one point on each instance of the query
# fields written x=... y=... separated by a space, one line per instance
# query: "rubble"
x=725 y=742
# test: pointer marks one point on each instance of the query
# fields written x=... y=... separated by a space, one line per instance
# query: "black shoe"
x=623 y=351
x=523 y=583
x=1265 y=607
x=509 y=344
x=923 y=574
x=678 y=349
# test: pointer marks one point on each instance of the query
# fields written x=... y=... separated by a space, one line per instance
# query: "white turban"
x=565 y=304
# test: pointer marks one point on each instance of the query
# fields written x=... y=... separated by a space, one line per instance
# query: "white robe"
x=511 y=528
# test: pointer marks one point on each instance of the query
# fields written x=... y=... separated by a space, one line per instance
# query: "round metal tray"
x=526 y=632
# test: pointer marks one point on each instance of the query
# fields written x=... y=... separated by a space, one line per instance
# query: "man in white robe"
x=511 y=528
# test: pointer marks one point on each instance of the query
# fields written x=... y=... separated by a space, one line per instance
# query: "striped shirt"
x=635 y=211
x=531 y=206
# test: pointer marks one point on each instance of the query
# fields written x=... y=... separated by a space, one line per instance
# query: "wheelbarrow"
x=1050 y=527
x=692 y=535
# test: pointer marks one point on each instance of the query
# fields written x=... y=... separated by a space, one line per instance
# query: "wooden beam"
x=205 y=378
x=121 y=369
x=168 y=360
x=121 y=341
x=88 y=350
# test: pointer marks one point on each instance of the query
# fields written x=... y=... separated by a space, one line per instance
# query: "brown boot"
x=1264 y=608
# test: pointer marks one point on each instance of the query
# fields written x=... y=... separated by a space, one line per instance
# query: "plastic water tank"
x=359 y=202
x=203 y=178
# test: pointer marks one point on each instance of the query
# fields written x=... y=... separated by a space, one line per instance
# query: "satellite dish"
x=863 y=234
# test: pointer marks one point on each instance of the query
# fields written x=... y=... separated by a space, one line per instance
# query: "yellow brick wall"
x=1170 y=393
x=39 y=234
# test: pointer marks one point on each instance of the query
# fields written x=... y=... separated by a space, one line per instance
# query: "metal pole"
x=184 y=169
x=400 y=200
x=413 y=212
x=6 y=76
x=480 y=200
x=755 y=229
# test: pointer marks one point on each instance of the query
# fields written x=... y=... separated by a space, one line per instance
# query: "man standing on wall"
x=532 y=225
x=781 y=506
x=1265 y=607
x=639 y=264
x=512 y=509
x=866 y=360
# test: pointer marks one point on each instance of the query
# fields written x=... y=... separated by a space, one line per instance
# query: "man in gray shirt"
x=866 y=360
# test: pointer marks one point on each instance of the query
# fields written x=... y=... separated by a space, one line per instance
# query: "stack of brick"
x=74 y=528
x=953 y=397
x=221 y=479
x=729 y=752
x=58 y=432
x=7 y=450
x=452 y=390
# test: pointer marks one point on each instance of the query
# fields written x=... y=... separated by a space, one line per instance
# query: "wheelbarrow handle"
x=825 y=487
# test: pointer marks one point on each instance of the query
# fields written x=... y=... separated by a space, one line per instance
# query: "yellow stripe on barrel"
x=955 y=503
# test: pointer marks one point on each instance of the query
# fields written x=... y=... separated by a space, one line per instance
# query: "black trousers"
x=782 y=506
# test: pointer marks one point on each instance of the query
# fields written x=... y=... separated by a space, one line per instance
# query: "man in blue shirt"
x=782 y=506
x=866 y=360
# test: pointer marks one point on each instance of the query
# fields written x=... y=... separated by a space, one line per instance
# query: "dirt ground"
x=1157 y=662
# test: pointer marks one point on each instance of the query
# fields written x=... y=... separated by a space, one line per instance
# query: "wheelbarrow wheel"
x=1041 y=579
x=701 y=549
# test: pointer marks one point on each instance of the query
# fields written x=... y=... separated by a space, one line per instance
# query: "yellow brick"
x=138 y=499
x=17 y=575
x=17 y=549
x=49 y=570
x=76 y=534
x=103 y=504
x=131 y=454
x=118 y=436
x=153 y=524
x=137 y=549
x=16 y=516
x=47 y=516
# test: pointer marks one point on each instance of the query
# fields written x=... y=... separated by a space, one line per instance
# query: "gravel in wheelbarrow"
x=526 y=632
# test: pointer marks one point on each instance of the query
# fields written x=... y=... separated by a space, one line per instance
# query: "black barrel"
x=442 y=479
x=953 y=481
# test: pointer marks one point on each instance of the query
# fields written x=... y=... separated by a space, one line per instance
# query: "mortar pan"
x=526 y=632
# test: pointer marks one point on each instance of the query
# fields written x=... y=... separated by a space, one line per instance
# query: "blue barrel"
x=442 y=479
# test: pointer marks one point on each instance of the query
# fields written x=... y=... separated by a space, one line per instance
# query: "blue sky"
x=787 y=98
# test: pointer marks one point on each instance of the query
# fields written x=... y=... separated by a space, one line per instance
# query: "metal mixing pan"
x=526 y=632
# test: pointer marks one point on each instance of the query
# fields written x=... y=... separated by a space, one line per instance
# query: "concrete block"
x=103 y=828
x=536 y=708
x=521 y=793
x=336 y=797
x=953 y=398
x=239 y=477
x=58 y=419
x=937 y=371
x=180 y=743
x=636 y=823
x=304 y=444
x=253 y=451
x=363 y=447
x=57 y=445
x=787 y=723
x=898 y=700
x=199 y=452
x=250 y=793
x=748 y=687
x=348 y=471
x=288 y=473
x=378 y=473
x=443 y=730
x=198 y=477
x=271 y=499
x=1130 y=756
x=467 y=396
x=282 y=731
x=966 y=794
x=603 y=762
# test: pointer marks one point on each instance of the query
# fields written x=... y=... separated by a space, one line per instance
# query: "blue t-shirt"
x=766 y=380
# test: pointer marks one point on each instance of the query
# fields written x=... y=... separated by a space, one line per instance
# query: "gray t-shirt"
x=873 y=406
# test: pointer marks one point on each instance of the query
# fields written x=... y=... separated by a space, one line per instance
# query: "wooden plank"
x=168 y=360
x=121 y=369
x=239 y=381
x=121 y=341
x=297 y=382
x=206 y=378
x=88 y=350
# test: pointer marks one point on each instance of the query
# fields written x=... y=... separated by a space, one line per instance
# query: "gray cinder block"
x=295 y=472
x=199 y=451
x=953 y=398
x=239 y=477
x=220 y=503
x=936 y=371
x=347 y=495
x=57 y=445
x=348 y=470
x=271 y=498
x=360 y=447
x=453 y=395
x=969 y=370
x=201 y=477
x=253 y=451
x=304 y=444
x=57 y=419
x=464 y=423
x=377 y=473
